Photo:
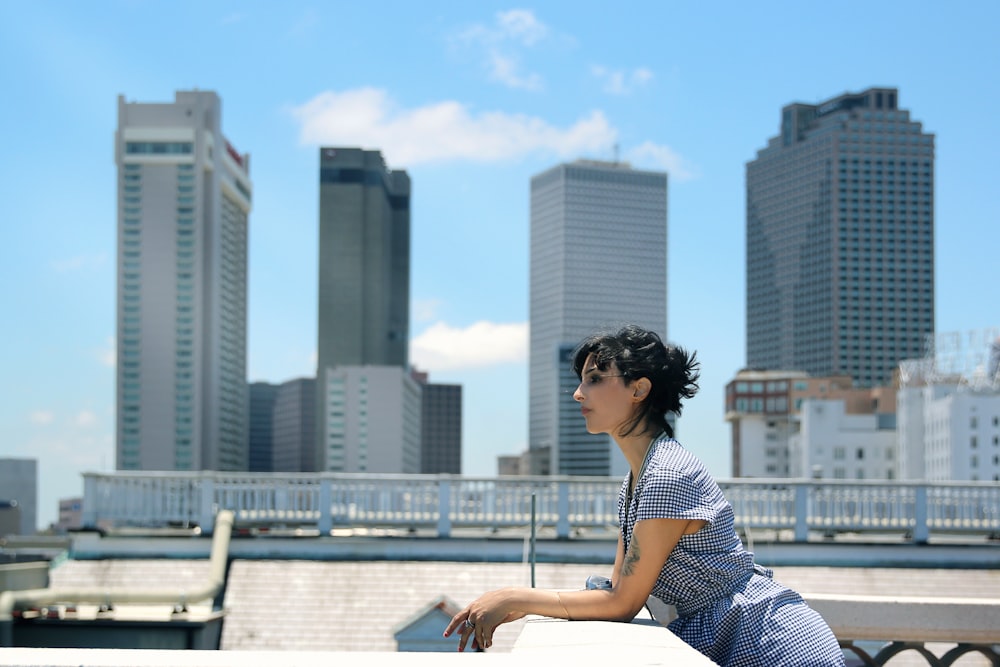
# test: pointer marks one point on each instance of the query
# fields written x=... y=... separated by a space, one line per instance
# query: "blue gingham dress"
x=728 y=607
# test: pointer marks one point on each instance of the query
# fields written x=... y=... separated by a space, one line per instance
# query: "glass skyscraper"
x=598 y=258
x=364 y=279
x=840 y=240
x=184 y=196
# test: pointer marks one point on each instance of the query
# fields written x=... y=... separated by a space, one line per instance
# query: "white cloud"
x=657 y=156
x=442 y=347
x=42 y=417
x=85 y=418
x=502 y=43
x=621 y=82
x=442 y=131
x=78 y=263
x=505 y=69
x=521 y=25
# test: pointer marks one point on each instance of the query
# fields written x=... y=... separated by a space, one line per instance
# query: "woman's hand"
x=480 y=619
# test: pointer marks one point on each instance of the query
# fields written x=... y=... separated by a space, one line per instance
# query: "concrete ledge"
x=542 y=642
x=643 y=641
x=75 y=657
x=911 y=619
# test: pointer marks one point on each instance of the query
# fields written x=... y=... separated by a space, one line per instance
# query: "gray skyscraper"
x=183 y=201
x=260 y=453
x=598 y=257
x=840 y=240
x=294 y=432
x=364 y=269
x=440 y=427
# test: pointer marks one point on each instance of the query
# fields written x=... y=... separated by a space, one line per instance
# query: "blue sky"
x=471 y=99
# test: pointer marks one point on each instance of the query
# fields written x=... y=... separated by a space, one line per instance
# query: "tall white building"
x=598 y=258
x=951 y=433
x=949 y=409
x=184 y=197
x=831 y=443
x=372 y=419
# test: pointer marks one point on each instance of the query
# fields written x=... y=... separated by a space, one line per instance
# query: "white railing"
x=325 y=501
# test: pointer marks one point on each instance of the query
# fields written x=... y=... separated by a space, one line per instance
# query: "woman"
x=677 y=538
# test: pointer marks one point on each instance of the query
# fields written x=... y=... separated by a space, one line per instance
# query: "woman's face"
x=606 y=402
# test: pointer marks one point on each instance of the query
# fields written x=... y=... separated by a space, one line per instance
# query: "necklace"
x=633 y=481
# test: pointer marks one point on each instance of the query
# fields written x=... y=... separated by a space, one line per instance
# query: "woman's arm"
x=616 y=571
x=652 y=542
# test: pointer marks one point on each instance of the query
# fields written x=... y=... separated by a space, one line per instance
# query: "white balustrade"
x=446 y=502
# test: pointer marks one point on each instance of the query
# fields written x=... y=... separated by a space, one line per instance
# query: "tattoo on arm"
x=631 y=558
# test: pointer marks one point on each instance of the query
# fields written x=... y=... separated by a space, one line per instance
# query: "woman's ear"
x=640 y=389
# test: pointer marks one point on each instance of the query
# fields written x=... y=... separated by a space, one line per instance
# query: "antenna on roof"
x=616 y=152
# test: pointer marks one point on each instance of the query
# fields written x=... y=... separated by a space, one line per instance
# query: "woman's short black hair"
x=639 y=353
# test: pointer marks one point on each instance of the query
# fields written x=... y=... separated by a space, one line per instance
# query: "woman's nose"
x=577 y=394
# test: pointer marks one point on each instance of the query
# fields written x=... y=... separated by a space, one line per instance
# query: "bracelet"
x=563 y=605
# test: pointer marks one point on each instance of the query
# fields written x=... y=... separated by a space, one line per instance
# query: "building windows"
x=158 y=147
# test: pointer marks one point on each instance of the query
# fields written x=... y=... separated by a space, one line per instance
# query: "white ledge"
x=642 y=641
x=542 y=642
x=916 y=619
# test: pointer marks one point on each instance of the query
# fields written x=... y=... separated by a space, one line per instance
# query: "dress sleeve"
x=671 y=492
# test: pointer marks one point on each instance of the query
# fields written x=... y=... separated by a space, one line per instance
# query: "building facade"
x=184 y=197
x=598 y=258
x=261 y=426
x=949 y=409
x=831 y=443
x=364 y=271
x=372 y=419
x=440 y=427
x=70 y=514
x=774 y=432
x=19 y=494
x=840 y=240
x=293 y=437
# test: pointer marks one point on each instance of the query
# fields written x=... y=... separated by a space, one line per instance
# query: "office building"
x=19 y=496
x=949 y=409
x=294 y=427
x=372 y=419
x=364 y=272
x=261 y=426
x=788 y=424
x=840 y=240
x=184 y=196
x=70 y=514
x=440 y=427
x=831 y=443
x=598 y=258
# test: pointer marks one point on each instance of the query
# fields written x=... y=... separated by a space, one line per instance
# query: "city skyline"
x=691 y=90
